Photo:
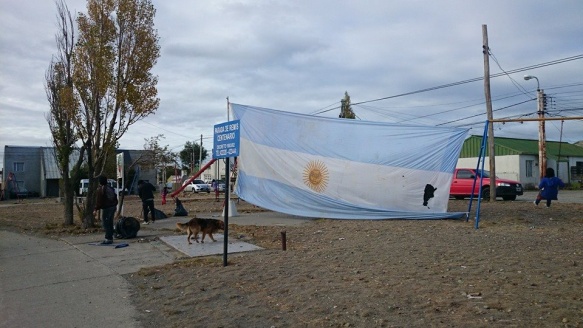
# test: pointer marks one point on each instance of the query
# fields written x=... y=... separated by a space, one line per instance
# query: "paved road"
x=68 y=283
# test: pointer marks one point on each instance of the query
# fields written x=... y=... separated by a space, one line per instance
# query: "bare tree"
x=154 y=156
x=115 y=53
x=63 y=108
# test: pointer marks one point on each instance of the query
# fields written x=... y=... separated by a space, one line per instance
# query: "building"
x=136 y=172
x=33 y=171
x=517 y=159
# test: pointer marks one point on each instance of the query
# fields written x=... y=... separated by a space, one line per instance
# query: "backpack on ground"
x=159 y=214
x=126 y=227
x=179 y=210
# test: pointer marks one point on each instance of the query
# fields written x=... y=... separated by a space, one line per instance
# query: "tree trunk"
x=90 y=201
x=68 y=200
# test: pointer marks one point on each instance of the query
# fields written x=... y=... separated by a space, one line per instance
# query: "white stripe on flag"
x=362 y=184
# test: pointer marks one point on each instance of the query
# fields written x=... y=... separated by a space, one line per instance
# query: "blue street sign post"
x=226 y=140
x=226 y=145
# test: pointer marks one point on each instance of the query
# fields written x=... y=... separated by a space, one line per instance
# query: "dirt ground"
x=523 y=267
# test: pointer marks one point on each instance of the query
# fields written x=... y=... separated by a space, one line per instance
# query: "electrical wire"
x=516 y=84
x=554 y=62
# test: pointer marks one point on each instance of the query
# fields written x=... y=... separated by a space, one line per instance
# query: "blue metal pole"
x=481 y=157
x=481 y=175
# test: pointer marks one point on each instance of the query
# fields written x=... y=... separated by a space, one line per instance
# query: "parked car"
x=463 y=180
x=221 y=187
x=197 y=186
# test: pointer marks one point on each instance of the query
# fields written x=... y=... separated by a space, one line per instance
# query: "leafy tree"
x=346 y=108
x=112 y=62
x=62 y=109
x=191 y=154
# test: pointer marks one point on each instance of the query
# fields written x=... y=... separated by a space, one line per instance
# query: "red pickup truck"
x=463 y=180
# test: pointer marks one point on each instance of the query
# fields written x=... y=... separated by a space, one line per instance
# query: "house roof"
x=513 y=146
x=51 y=167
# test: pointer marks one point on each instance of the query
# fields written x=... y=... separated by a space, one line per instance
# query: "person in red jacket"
x=164 y=194
x=107 y=203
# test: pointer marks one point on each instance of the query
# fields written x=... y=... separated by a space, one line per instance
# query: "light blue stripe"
x=282 y=198
x=409 y=146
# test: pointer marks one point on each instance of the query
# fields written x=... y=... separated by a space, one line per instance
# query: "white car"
x=221 y=187
x=197 y=186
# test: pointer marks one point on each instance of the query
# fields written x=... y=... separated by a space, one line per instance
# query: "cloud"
x=303 y=55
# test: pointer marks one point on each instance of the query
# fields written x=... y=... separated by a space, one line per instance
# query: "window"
x=18 y=166
x=529 y=166
x=464 y=174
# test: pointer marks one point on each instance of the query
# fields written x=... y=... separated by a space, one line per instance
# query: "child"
x=549 y=187
x=164 y=194
x=215 y=186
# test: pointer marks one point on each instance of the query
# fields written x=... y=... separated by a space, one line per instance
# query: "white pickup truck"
x=84 y=185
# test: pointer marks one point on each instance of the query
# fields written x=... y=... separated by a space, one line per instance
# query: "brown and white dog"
x=196 y=225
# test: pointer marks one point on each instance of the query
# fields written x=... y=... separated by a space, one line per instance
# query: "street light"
x=528 y=77
x=542 y=147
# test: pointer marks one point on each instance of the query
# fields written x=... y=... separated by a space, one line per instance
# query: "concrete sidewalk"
x=70 y=283
x=50 y=283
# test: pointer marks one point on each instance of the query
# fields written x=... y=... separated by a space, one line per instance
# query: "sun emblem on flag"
x=316 y=176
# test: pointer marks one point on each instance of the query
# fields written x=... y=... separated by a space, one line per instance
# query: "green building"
x=517 y=159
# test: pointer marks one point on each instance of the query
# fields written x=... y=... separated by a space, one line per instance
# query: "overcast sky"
x=302 y=55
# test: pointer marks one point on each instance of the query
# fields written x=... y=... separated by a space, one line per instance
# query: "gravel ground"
x=523 y=267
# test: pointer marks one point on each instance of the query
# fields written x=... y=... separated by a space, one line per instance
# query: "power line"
x=554 y=62
x=495 y=110
x=516 y=84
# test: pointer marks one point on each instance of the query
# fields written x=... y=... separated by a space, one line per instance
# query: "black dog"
x=428 y=194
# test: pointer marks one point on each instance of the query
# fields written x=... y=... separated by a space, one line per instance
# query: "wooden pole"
x=491 y=155
x=200 y=153
x=542 y=147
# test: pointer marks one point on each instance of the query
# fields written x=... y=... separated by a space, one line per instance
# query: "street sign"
x=226 y=140
x=119 y=166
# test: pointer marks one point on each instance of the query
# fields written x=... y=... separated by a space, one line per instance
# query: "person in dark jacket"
x=107 y=203
x=146 y=192
x=549 y=187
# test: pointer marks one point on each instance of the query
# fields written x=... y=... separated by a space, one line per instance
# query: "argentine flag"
x=344 y=169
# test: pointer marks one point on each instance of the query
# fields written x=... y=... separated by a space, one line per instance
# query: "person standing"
x=107 y=203
x=164 y=194
x=146 y=192
x=215 y=186
x=549 y=187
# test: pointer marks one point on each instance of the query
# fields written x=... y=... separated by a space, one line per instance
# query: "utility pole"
x=192 y=160
x=200 y=153
x=491 y=155
x=542 y=144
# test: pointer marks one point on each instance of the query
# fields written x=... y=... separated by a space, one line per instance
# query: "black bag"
x=159 y=214
x=179 y=210
x=126 y=227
